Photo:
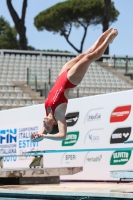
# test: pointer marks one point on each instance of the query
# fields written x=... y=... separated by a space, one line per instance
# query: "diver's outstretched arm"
x=58 y=136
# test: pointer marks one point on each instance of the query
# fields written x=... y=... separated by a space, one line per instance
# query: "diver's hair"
x=55 y=129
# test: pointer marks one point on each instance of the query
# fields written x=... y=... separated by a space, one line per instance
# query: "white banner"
x=102 y=121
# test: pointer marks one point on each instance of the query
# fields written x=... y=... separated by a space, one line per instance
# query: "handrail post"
x=36 y=83
x=50 y=78
x=77 y=92
x=126 y=64
x=114 y=61
x=27 y=76
x=45 y=93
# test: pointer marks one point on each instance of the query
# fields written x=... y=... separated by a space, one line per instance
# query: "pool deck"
x=70 y=190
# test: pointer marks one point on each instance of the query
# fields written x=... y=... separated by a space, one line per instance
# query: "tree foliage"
x=8 y=36
x=61 y=17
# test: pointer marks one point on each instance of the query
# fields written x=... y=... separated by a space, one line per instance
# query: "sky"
x=122 y=45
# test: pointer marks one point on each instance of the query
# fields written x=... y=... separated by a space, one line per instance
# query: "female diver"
x=72 y=73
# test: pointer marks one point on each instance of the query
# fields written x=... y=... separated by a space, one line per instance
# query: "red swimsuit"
x=56 y=94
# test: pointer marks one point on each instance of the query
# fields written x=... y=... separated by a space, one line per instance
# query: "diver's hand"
x=38 y=135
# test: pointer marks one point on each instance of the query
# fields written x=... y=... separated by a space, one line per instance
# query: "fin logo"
x=8 y=136
x=120 y=114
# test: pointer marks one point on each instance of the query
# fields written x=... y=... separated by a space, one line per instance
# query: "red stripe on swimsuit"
x=56 y=94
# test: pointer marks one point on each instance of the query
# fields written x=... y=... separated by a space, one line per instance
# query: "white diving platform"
x=37 y=173
x=122 y=174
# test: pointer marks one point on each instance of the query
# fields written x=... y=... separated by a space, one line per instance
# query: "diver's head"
x=50 y=124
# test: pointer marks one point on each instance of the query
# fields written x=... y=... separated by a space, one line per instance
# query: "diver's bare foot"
x=113 y=34
x=106 y=33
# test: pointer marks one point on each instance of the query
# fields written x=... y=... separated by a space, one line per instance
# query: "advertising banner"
x=101 y=121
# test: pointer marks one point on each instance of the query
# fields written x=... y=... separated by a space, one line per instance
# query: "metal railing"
x=124 y=63
x=43 y=87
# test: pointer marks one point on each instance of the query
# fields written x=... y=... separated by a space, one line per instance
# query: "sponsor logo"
x=72 y=118
x=120 y=114
x=94 y=138
x=94 y=159
x=93 y=135
x=120 y=135
x=71 y=139
x=8 y=143
x=70 y=157
x=94 y=115
x=120 y=157
x=8 y=136
x=24 y=140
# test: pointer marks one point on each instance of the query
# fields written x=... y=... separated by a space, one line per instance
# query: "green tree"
x=8 y=36
x=61 y=17
x=19 y=22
